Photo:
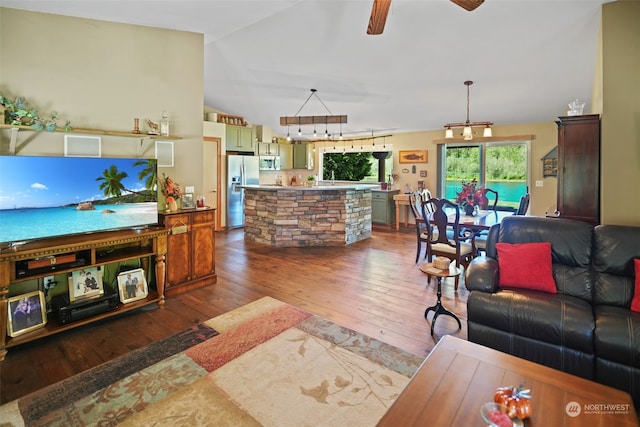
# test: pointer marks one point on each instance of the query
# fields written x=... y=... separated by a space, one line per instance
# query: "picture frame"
x=132 y=285
x=26 y=312
x=413 y=156
x=188 y=201
x=85 y=283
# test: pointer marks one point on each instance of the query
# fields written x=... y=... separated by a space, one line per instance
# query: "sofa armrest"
x=482 y=275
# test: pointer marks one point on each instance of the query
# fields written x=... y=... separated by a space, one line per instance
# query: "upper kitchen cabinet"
x=301 y=156
x=240 y=138
x=268 y=149
x=296 y=156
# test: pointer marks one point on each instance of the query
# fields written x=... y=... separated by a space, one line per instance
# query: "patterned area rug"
x=264 y=364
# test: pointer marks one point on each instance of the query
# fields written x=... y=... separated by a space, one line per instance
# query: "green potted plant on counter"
x=310 y=180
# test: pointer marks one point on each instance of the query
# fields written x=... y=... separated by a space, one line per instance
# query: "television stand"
x=97 y=249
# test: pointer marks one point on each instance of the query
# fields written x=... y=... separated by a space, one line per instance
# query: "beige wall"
x=103 y=75
x=621 y=113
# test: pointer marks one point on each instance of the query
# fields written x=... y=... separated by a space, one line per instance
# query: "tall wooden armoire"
x=579 y=168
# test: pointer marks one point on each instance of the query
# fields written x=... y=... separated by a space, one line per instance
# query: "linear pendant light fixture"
x=300 y=121
x=467 y=127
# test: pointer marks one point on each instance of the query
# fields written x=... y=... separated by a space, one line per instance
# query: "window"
x=503 y=167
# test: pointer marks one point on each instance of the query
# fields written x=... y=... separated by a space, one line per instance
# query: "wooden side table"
x=438 y=309
x=402 y=200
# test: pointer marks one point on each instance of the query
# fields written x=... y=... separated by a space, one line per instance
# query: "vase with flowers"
x=472 y=197
x=171 y=191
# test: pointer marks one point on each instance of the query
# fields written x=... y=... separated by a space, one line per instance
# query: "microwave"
x=269 y=163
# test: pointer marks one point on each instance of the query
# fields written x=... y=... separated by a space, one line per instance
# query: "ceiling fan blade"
x=378 y=18
x=468 y=4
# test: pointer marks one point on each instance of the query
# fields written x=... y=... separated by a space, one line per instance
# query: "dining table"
x=481 y=220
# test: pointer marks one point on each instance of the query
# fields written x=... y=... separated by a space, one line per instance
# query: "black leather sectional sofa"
x=587 y=327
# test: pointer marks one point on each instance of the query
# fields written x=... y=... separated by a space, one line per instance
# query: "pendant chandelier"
x=467 y=127
x=327 y=119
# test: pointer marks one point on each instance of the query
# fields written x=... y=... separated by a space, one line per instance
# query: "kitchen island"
x=300 y=216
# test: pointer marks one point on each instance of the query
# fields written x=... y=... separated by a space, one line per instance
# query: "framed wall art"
x=413 y=156
x=85 y=283
x=27 y=312
x=132 y=286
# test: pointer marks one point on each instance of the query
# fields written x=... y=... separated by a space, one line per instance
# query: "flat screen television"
x=44 y=196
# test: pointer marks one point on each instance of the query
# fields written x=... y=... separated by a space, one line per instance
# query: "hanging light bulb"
x=467 y=134
x=448 y=133
x=299 y=129
x=487 y=132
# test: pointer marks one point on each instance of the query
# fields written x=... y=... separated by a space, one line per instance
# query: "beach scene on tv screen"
x=53 y=196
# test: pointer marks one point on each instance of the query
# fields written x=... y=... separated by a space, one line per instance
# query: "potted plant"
x=310 y=180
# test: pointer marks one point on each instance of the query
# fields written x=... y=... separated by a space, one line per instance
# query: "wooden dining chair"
x=445 y=238
x=494 y=196
x=415 y=202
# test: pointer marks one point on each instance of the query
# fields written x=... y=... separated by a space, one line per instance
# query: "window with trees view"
x=500 y=167
x=358 y=166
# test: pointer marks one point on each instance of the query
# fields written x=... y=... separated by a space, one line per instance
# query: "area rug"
x=264 y=364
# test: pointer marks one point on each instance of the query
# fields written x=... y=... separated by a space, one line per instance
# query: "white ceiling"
x=528 y=58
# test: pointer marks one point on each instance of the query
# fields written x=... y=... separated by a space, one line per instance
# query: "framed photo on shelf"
x=413 y=156
x=85 y=283
x=132 y=286
x=188 y=201
x=27 y=312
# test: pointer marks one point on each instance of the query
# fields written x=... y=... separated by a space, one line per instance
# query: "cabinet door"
x=246 y=138
x=203 y=235
x=268 y=149
x=378 y=207
x=233 y=136
x=300 y=156
x=178 y=262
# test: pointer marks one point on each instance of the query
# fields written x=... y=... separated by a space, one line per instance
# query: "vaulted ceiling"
x=528 y=58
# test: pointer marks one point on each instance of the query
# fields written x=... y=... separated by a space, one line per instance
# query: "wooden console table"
x=97 y=249
x=459 y=376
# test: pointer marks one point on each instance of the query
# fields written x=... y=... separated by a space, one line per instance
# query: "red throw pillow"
x=526 y=265
x=635 y=302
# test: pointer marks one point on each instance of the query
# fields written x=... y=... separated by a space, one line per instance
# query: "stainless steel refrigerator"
x=241 y=170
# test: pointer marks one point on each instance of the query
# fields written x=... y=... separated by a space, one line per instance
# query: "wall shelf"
x=15 y=128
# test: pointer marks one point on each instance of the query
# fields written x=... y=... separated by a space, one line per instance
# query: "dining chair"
x=481 y=238
x=415 y=202
x=524 y=205
x=444 y=237
x=494 y=196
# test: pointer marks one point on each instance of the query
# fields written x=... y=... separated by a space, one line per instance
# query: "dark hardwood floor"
x=373 y=287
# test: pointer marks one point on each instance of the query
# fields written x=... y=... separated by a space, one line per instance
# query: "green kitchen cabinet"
x=383 y=208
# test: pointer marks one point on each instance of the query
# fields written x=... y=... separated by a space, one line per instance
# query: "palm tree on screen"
x=111 y=183
x=149 y=173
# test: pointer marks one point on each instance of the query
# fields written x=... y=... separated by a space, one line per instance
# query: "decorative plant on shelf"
x=16 y=112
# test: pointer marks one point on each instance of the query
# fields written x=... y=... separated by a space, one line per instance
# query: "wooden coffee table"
x=459 y=376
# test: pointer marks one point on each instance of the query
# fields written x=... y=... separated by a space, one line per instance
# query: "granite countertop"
x=322 y=187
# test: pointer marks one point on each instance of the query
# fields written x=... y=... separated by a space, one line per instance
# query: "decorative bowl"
x=492 y=414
